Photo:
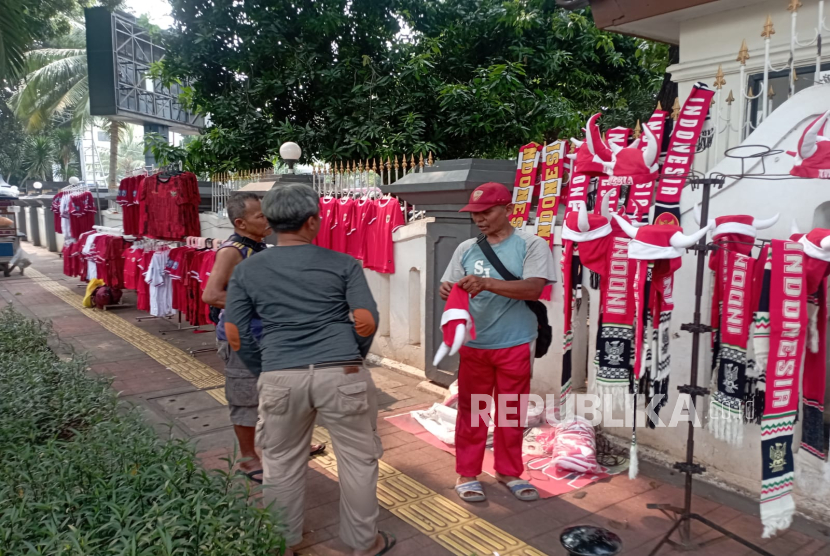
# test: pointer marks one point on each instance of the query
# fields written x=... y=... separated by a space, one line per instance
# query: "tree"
x=66 y=151
x=38 y=157
x=56 y=87
x=11 y=144
x=471 y=78
x=25 y=22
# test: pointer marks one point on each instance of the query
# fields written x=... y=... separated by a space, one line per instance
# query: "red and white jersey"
x=380 y=251
x=328 y=220
x=365 y=212
x=345 y=225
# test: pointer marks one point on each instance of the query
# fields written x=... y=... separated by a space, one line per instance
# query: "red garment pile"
x=168 y=206
x=362 y=228
x=95 y=255
x=73 y=212
x=189 y=270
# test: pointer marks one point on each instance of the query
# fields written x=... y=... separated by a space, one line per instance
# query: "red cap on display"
x=487 y=196
x=658 y=241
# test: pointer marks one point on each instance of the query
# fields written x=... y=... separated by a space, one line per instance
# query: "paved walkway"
x=183 y=395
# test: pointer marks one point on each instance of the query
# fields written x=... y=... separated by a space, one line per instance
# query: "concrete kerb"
x=410 y=371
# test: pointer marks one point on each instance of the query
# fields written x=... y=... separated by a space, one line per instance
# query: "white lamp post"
x=37 y=185
x=290 y=152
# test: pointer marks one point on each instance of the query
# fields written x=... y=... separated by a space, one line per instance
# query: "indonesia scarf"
x=550 y=192
x=788 y=320
x=603 y=248
x=733 y=284
x=656 y=252
x=817 y=267
x=615 y=336
x=527 y=164
x=681 y=153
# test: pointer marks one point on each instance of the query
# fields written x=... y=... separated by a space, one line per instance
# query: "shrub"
x=80 y=473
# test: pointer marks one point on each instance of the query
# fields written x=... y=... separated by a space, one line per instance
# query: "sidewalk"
x=183 y=395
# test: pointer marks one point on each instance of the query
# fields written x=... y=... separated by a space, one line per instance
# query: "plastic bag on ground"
x=574 y=446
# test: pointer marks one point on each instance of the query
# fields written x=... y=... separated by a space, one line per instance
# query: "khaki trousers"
x=289 y=403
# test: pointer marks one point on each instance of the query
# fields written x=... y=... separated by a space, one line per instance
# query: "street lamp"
x=290 y=152
x=37 y=185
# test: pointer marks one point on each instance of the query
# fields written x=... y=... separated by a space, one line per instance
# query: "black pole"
x=685 y=530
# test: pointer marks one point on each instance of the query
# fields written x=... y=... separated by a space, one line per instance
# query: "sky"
x=157 y=10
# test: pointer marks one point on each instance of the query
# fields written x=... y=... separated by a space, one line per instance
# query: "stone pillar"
x=441 y=190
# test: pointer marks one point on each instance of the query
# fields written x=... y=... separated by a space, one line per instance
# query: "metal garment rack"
x=683 y=516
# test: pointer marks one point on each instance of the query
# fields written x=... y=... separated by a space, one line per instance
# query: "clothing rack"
x=683 y=516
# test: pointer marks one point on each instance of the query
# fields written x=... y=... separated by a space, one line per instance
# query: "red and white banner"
x=657 y=125
x=681 y=154
x=550 y=192
x=618 y=136
x=526 y=167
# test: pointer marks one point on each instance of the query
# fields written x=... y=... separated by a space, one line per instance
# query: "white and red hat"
x=590 y=156
x=738 y=224
x=816 y=244
x=632 y=161
x=658 y=241
x=457 y=324
x=813 y=157
x=580 y=226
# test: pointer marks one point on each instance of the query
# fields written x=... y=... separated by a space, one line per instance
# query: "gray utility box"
x=441 y=190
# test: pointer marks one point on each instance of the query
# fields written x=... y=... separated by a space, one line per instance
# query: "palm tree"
x=38 y=157
x=130 y=152
x=57 y=87
x=14 y=38
x=64 y=139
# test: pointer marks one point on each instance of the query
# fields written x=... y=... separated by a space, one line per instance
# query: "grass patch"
x=82 y=474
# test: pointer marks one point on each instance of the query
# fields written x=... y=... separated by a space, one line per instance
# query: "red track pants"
x=491 y=372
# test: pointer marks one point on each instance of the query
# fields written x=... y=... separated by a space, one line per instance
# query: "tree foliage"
x=24 y=23
x=361 y=78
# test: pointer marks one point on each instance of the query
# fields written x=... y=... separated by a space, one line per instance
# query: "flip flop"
x=320 y=449
x=519 y=489
x=251 y=474
x=473 y=487
x=389 y=541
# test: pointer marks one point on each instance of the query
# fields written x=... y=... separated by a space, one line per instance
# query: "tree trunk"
x=111 y=178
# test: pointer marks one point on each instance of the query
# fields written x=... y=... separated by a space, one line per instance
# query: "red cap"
x=488 y=195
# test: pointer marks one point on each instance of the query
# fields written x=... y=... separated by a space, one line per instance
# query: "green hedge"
x=82 y=474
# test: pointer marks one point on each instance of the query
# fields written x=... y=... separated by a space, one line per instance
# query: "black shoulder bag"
x=545 y=331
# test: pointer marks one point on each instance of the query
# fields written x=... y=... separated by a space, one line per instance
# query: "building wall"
x=713 y=40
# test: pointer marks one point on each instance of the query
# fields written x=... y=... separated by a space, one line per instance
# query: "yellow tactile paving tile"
x=444 y=521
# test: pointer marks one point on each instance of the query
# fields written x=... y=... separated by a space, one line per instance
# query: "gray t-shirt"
x=502 y=322
x=304 y=295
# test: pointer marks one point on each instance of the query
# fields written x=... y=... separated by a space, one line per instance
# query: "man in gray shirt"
x=318 y=321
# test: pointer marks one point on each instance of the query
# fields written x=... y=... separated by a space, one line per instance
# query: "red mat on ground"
x=547 y=479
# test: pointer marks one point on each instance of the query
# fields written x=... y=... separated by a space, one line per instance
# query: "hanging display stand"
x=683 y=517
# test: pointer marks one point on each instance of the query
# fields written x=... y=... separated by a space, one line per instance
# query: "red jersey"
x=380 y=251
x=169 y=207
x=328 y=219
x=131 y=272
x=365 y=212
x=345 y=225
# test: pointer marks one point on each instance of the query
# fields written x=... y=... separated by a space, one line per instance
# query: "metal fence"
x=329 y=178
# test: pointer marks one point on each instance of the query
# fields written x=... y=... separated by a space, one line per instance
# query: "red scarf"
x=788 y=323
x=681 y=153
